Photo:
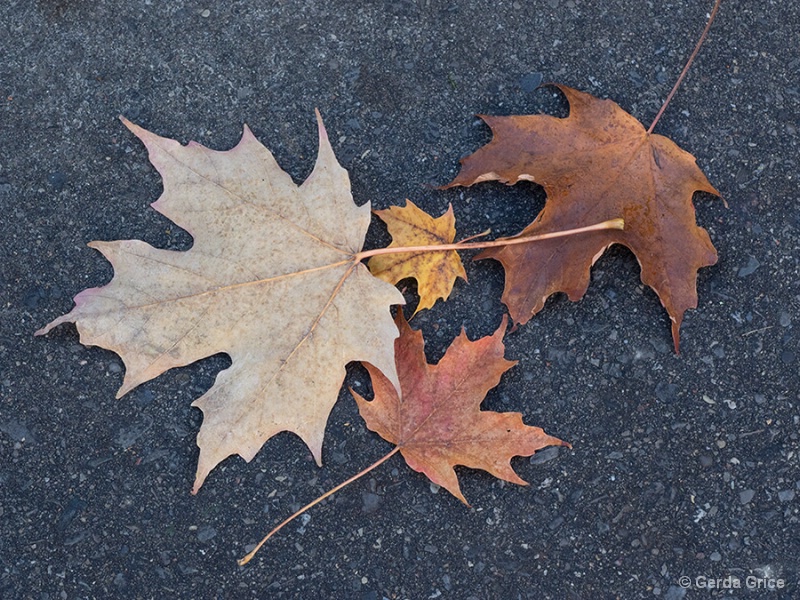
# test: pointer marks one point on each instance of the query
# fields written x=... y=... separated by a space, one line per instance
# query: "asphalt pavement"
x=684 y=477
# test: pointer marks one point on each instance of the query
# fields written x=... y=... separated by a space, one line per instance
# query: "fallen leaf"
x=435 y=272
x=271 y=279
x=438 y=423
x=594 y=165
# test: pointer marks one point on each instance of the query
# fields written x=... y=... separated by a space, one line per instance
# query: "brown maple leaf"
x=273 y=279
x=596 y=164
x=438 y=424
x=435 y=272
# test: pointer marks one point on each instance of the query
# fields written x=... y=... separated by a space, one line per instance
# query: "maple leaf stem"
x=686 y=68
x=610 y=224
x=246 y=559
x=477 y=235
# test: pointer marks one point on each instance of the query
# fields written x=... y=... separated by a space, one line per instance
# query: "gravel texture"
x=682 y=466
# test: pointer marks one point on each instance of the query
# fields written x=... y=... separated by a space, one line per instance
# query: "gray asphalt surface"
x=683 y=466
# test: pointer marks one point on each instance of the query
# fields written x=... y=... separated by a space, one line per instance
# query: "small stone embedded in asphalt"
x=370 y=502
x=746 y=496
x=660 y=346
x=16 y=430
x=127 y=436
x=545 y=455
x=715 y=556
x=750 y=268
x=58 y=180
x=636 y=78
x=675 y=592
x=530 y=81
x=33 y=296
x=73 y=508
x=206 y=533
x=120 y=581
x=786 y=495
x=666 y=392
x=787 y=357
x=143 y=396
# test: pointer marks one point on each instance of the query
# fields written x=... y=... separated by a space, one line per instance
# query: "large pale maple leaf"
x=437 y=423
x=598 y=163
x=272 y=279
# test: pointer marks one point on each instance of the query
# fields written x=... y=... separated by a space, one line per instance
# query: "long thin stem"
x=610 y=224
x=377 y=463
x=688 y=64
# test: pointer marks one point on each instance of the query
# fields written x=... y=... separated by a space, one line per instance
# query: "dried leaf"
x=271 y=279
x=438 y=423
x=598 y=163
x=435 y=272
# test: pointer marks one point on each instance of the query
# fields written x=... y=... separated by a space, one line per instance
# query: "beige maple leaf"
x=272 y=279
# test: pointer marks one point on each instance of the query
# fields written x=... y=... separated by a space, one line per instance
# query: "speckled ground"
x=683 y=466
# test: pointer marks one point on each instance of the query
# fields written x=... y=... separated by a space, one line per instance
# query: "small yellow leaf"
x=435 y=272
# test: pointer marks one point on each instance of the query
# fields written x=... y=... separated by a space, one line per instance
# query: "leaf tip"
x=247 y=132
x=323 y=133
x=133 y=127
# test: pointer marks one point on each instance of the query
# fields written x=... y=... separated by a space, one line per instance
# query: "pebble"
x=746 y=496
x=74 y=507
x=206 y=533
x=16 y=430
x=675 y=592
x=666 y=391
x=530 y=81
x=546 y=455
x=786 y=495
x=370 y=502
x=33 y=296
x=750 y=268
x=58 y=180
x=715 y=556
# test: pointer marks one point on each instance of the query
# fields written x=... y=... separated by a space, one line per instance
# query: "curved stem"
x=686 y=68
x=246 y=559
x=477 y=235
x=610 y=224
